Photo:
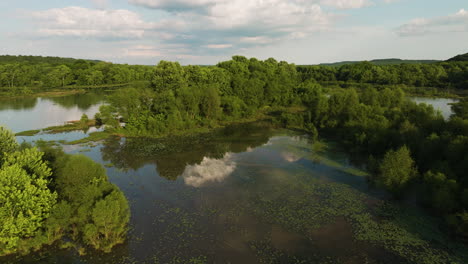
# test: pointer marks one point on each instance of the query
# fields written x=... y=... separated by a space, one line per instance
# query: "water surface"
x=441 y=104
x=29 y=113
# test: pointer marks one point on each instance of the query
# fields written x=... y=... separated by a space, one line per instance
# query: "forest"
x=409 y=149
x=51 y=72
x=25 y=74
x=452 y=74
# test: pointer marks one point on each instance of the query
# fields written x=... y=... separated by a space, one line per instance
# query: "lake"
x=29 y=113
x=247 y=193
x=441 y=104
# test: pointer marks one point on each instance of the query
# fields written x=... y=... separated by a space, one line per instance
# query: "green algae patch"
x=28 y=133
x=92 y=137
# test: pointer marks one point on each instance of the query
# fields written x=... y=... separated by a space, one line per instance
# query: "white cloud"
x=143 y=51
x=180 y=5
x=347 y=4
x=203 y=25
x=279 y=15
x=172 y=4
x=218 y=46
x=290 y=157
x=254 y=22
x=162 y=51
x=457 y=22
x=257 y=40
x=246 y=23
x=100 y=3
x=84 y=22
x=209 y=170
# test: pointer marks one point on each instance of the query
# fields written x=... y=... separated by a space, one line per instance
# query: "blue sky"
x=208 y=31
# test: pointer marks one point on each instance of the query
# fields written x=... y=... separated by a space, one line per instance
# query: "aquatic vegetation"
x=28 y=133
x=92 y=137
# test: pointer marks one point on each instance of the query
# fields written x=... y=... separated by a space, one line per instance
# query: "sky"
x=209 y=31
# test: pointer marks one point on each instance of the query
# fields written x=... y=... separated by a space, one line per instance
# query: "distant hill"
x=7 y=59
x=380 y=62
x=462 y=57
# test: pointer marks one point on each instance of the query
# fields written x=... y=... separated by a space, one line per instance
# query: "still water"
x=252 y=194
x=29 y=113
x=441 y=104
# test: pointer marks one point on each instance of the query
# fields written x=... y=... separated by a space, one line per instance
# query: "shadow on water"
x=84 y=101
x=18 y=103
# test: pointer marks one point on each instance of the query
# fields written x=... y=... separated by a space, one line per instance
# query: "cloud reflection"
x=209 y=170
x=290 y=157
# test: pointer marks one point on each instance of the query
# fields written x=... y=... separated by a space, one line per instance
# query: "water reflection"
x=209 y=170
x=290 y=157
x=18 y=103
x=83 y=101
x=21 y=114
x=172 y=155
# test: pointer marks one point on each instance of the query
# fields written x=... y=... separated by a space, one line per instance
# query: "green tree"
x=108 y=115
x=110 y=218
x=396 y=170
x=442 y=191
x=63 y=73
x=94 y=77
x=81 y=179
x=8 y=143
x=168 y=76
x=460 y=109
x=25 y=199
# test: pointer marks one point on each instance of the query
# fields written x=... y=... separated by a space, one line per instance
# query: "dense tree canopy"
x=50 y=72
x=8 y=143
x=25 y=199
x=47 y=196
x=180 y=98
x=444 y=75
x=396 y=170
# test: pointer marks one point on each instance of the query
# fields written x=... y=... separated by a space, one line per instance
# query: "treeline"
x=47 y=197
x=444 y=75
x=409 y=147
x=51 y=72
x=30 y=60
x=380 y=62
